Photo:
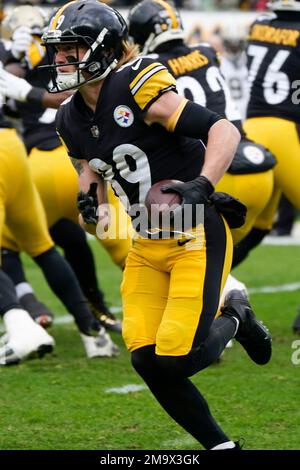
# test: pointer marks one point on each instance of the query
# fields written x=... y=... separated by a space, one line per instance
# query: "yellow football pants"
x=170 y=292
x=57 y=184
x=20 y=205
x=254 y=190
x=281 y=137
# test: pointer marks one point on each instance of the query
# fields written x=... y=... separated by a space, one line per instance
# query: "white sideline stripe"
x=273 y=289
x=129 y=388
x=281 y=241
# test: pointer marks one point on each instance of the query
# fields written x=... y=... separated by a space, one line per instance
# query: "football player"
x=53 y=173
x=148 y=133
x=273 y=112
x=233 y=62
x=22 y=211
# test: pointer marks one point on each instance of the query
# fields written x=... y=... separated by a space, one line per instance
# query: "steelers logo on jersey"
x=254 y=154
x=123 y=116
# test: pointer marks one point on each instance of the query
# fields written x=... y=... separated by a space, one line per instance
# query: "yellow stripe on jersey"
x=35 y=53
x=171 y=12
x=173 y=119
x=151 y=84
x=55 y=19
x=142 y=73
x=63 y=142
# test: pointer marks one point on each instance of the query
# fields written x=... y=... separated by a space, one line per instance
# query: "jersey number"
x=132 y=165
x=189 y=85
x=276 y=84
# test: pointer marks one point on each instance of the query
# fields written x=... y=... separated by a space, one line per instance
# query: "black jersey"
x=38 y=122
x=118 y=143
x=198 y=77
x=4 y=53
x=273 y=56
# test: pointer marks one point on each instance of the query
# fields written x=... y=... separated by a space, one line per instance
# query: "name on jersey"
x=187 y=63
x=264 y=33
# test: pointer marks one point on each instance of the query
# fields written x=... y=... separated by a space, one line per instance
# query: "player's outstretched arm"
x=19 y=89
x=186 y=118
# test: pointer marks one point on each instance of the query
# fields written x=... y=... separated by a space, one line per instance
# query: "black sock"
x=221 y=332
x=72 y=239
x=64 y=284
x=180 y=399
x=12 y=266
x=8 y=296
x=241 y=251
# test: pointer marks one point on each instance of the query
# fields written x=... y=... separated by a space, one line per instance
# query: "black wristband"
x=35 y=96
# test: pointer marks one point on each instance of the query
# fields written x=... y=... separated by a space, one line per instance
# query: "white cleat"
x=4 y=339
x=24 y=338
x=100 y=345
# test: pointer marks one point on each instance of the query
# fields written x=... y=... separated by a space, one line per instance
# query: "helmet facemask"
x=97 y=62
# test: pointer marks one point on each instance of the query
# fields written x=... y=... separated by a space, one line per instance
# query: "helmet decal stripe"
x=55 y=19
x=170 y=10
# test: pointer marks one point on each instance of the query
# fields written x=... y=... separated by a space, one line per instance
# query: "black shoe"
x=251 y=334
x=105 y=317
x=296 y=324
x=37 y=310
x=238 y=445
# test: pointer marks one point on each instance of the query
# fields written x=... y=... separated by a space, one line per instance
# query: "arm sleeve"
x=192 y=120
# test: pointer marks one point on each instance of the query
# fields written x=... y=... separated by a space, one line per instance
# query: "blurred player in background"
x=23 y=213
x=234 y=63
x=53 y=173
x=273 y=112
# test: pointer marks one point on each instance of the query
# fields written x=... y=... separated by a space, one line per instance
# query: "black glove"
x=196 y=191
x=233 y=210
x=87 y=204
x=192 y=193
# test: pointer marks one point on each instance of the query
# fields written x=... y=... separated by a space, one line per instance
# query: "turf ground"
x=64 y=401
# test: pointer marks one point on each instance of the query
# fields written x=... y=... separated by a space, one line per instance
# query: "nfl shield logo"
x=123 y=116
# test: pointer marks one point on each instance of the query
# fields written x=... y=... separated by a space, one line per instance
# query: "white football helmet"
x=24 y=15
x=284 y=5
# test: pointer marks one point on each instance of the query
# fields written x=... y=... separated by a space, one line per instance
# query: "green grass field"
x=62 y=402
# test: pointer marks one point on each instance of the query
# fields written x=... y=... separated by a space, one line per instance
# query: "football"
x=158 y=203
x=156 y=196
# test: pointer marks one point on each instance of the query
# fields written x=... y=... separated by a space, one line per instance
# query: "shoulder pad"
x=251 y=158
